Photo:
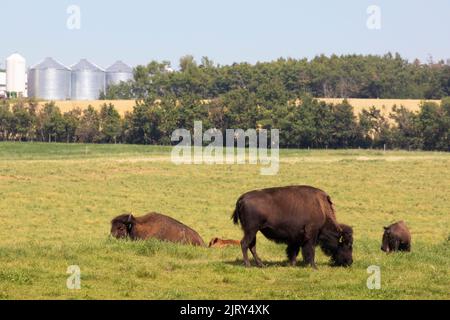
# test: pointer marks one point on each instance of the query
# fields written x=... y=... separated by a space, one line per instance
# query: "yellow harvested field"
x=122 y=106
x=385 y=105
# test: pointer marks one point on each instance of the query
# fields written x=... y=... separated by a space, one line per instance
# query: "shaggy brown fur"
x=396 y=237
x=154 y=225
x=300 y=216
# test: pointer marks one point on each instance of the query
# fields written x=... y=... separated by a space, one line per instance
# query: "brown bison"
x=154 y=225
x=300 y=216
x=396 y=237
x=220 y=243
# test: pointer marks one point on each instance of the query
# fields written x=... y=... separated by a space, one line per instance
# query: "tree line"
x=305 y=123
x=348 y=76
x=25 y=121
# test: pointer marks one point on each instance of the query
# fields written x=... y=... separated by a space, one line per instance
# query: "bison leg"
x=244 y=247
x=255 y=255
x=405 y=247
x=308 y=253
x=292 y=253
x=408 y=247
x=396 y=245
x=249 y=241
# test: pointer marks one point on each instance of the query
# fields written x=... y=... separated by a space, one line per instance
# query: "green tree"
x=433 y=126
x=6 y=119
x=88 y=130
x=110 y=123
x=375 y=128
x=51 y=123
x=120 y=91
x=344 y=126
x=406 y=132
x=23 y=122
x=71 y=122
x=445 y=104
x=142 y=124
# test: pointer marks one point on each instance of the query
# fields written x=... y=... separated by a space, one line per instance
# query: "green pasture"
x=57 y=200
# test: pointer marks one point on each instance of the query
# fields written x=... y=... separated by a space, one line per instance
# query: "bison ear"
x=131 y=218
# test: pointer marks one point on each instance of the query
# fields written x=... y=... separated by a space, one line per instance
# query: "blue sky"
x=138 y=31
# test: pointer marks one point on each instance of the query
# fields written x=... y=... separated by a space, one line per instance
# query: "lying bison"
x=154 y=225
x=220 y=243
x=396 y=237
x=300 y=216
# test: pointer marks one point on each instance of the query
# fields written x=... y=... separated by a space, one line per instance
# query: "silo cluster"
x=50 y=80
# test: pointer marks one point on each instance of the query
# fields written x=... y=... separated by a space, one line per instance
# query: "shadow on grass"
x=274 y=264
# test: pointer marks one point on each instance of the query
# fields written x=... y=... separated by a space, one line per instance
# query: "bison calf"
x=300 y=216
x=219 y=243
x=154 y=225
x=396 y=237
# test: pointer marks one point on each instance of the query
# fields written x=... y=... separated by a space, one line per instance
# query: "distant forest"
x=350 y=76
x=276 y=95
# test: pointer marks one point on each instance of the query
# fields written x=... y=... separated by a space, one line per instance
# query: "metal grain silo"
x=49 y=80
x=88 y=81
x=118 y=72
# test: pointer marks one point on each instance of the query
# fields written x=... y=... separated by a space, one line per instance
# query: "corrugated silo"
x=117 y=73
x=49 y=80
x=15 y=75
x=88 y=81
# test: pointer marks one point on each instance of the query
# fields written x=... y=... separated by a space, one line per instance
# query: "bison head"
x=343 y=255
x=213 y=242
x=338 y=244
x=121 y=226
x=386 y=241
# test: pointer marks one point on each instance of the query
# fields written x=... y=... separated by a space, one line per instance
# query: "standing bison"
x=300 y=216
x=396 y=237
x=154 y=225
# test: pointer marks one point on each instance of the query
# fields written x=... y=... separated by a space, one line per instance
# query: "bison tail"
x=235 y=215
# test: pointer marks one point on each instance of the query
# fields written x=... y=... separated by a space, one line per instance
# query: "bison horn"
x=130 y=217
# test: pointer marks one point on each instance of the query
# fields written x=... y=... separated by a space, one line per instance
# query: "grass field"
x=56 y=203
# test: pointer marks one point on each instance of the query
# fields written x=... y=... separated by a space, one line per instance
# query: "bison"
x=299 y=216
x=220 y=243
x=154 y=225
x=396 y=237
